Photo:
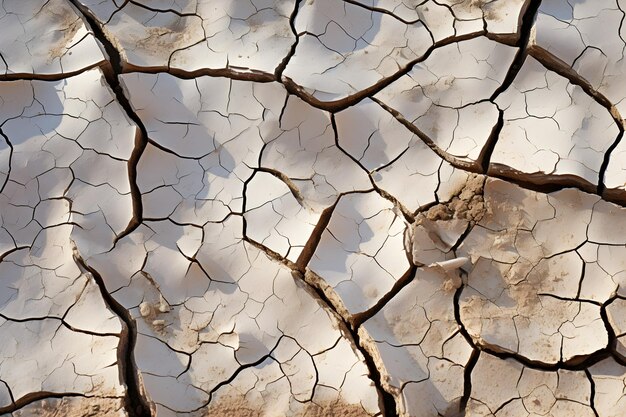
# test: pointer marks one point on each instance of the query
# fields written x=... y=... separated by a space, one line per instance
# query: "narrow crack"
x=298 y=272
x=406 y=213
x=552 y=63
x=473 y=359
x=244 y=74
x=316 y=235
x=389 y=402
x=359 y=318
x=293 y=188
x=541 y=182
x=62 y=322
x=10 y=145
x=592 y=395
x=351 y=100
x=528 y=19
x=271 y=253
x=601 y=190
x=467 y=380
x=612 y=342
x=452 y=160
x=384 y=11
x=135 y=400
x=141 y=138
x=390 y=407
x=490 y=144
x=238 y=371
x=23 y=76
x=33 y=397
x=292 y=24
x=577 y=363
x=136 y=403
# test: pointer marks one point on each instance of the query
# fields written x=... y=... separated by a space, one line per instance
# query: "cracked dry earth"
x=312 y=208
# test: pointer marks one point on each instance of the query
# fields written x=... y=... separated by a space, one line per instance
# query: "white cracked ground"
x=312 y=208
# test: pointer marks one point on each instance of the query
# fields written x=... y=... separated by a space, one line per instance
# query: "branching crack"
x=292 y=24
x=528 y=20
x=141 y=137
x=135 y=399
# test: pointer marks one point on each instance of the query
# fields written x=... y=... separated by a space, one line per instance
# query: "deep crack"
x=201 y=181
x=135 y=399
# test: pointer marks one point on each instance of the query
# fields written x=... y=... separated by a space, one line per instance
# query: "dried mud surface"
x=261 y=208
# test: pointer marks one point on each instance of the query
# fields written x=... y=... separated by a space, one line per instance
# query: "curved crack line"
x=136 y=402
